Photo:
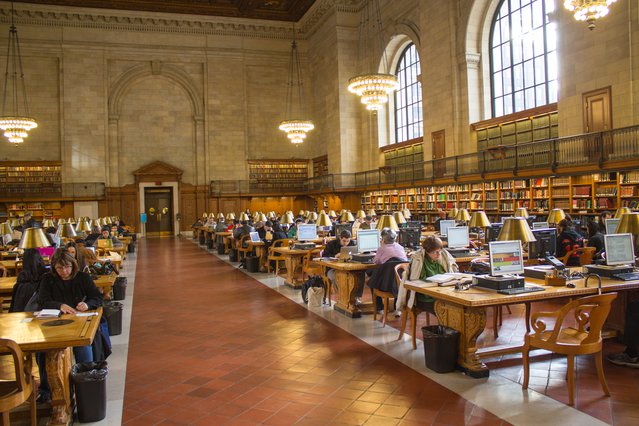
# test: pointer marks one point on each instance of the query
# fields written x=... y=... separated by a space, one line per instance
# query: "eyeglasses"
x=435 y=252
x=62 y=267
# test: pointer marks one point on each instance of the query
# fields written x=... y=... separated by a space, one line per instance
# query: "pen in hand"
x=82 y=306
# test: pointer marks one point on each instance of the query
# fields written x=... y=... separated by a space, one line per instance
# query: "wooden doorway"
x=158 y=202
x=438 y=139
x=598 y=118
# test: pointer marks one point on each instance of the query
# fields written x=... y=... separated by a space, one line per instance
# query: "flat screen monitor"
x=306 y=232
x=546 y=244
x=506 y=258
x=444 y=225
x=255 y=237
x=612 y=225
x=414 y=224
x=493 y=231
x=619 y=249
x=343 y=227
x=410 y=237
x=540 y=225
x=367 y=240
x=458 y=237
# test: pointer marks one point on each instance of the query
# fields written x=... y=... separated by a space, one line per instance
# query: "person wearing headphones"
x=389 y=248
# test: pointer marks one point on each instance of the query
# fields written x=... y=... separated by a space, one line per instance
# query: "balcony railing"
x=595 y=149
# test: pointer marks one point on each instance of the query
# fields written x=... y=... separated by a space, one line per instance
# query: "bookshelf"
x=517 y=129
x=405 y=153
x=582 y=196
x=271 y=174
x=320 y=166
x=26 y=179
x=39 y=210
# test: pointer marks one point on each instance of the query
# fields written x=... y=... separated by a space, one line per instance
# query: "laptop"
x=105 y=243
x=348 y=250
x=255 y=237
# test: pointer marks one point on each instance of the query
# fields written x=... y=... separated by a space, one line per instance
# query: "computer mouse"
x=571 y=285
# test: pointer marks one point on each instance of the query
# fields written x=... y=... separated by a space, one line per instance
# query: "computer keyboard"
x=520 y=290
x=627 y=276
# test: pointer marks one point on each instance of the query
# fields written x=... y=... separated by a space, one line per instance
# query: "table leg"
x=58 y=366
x=292 y=265
x=348 y=283
x=470 y=322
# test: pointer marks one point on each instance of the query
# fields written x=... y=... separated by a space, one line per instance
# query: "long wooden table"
x=349 y=277
x=293 y=260
x=35 y=335
x=465 y=311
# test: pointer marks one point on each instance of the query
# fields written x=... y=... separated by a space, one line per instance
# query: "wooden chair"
x=386 y=296
x=590 y=314
x=586 y=254
x=412 y=312
x=14 y=393
x=309 y=267
x=276 y=257
x=241 y=250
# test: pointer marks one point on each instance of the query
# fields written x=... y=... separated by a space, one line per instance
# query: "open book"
x=450 y=278
x=48 y=313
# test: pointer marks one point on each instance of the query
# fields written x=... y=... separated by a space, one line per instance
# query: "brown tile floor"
x=210 y=345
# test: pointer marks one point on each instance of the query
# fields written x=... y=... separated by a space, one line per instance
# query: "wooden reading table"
x=36 y=335
x=293 y=260
x=349 y=276
x=226 y=236
x=465 y=311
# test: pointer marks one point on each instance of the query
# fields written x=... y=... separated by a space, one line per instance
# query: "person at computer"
x=602 y=220
x=368 y=223
x=389 y=248
x=292 y=230
x=567 y=240
x=332 y=249
x=94 y=235
x=630 y=356
x=29 y=221
x=596 y=239
x=431 y=259
x=106 y=235
x=442 y=216
x=356 y=226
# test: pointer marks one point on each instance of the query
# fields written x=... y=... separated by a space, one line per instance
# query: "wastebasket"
x=202 y=239
x=119 y=288
x=441 y=345
x=112 y=311
x=220 y=248
x=252 y=264
x=89 y=382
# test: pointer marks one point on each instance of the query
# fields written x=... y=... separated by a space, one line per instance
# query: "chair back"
x=284 y=242
x=22 y=376
x=399 y=271
x=3 y=271
x=586 y=254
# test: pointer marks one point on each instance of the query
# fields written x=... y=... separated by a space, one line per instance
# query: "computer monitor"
x=619 y=249
x=546 y=244
x=612 y=225
x=367 y=240
x=343 y=227
x=255 y=237
x=540 y=225
x=410 y=237
x=306 y=232
x=444 y=225
x=414 y=224
x=506 y=258
x=493 y=231
x=458 y=237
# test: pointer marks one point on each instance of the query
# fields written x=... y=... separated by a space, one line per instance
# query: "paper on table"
x=85 y=314
x=449 y=276
x=48 y=313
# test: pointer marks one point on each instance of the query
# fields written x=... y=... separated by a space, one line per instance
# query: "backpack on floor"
x=314 y=281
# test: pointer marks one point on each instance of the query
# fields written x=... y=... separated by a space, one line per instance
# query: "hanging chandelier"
x=588 y=10
x=296 y=128
x=373 y=88
x=15 y=119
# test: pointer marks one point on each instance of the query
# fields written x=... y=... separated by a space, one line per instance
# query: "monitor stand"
x=498 y=283
x=363 y=257
x=608 y=271
x=459 y=252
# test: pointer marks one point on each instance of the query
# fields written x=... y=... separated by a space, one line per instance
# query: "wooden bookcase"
x=29 y=178
x=320 y=166
x=39 y=210
x=405 y=153
x=273 y=174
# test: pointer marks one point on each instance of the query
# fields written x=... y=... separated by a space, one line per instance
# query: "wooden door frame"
x=176 y=205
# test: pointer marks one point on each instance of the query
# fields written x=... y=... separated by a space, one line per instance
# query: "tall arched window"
x=409 y=122
x=523 y=56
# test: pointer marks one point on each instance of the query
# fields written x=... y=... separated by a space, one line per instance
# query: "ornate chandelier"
x=588 y=10
x=295 y=128
x=374 y=88
x=15 y=119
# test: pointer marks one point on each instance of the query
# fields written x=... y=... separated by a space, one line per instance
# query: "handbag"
x=33 y=304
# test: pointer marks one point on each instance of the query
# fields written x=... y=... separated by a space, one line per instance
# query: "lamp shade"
x=360 y=214
x=453 y=212
x=5 y=228
x=556 y=215
x=94 y=223
x=262 y=217
x=66 y=230
x=47 y=223
x=516 y=228
x=347 y=217
x=521 y=212
x=629 y=224
x=372 y=213
x=204 y=215
x=301 y=213
x=287 y=218
x=462 y=215
x=479 y=220
x=323 y=220
x=72 y=220
x=33 y=238
x=312 y=216
x=83 y=226
x=622 y=211
x=244 y=217
x=387 y=221
x=331 y=213
x=220 y=215
x=399 y=218
x=230 y=216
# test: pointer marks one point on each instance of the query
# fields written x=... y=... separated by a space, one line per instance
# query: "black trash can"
x=252 y=264
x=130 y=248
x=119 y=288
x=220 y=248
x=232 y=255
x=89 y=382
x=112 y=311
x=441 y=346
x=202 y=239
x=209 y=243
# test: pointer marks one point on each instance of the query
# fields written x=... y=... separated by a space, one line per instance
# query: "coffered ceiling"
x=279 y=10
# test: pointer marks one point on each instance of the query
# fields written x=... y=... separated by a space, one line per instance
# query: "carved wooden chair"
x=276 y=257
x=586 y=254
x=14 y=393
x=590 y=313
x=309 y=267
x=243 y=251
x=412 y=312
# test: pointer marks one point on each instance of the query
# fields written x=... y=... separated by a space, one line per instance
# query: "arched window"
x=523 y=56
x=409 y=122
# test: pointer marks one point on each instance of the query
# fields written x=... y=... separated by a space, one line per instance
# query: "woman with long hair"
x=28 y=280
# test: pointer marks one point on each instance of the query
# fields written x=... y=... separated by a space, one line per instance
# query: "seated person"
x=278 y=232
x=117 y=231
x=73 y=249
x=596 y=239
x=430 y=260
x=567 y=240
x=106 y=236
x=243 y=228
x=602 y=220
x=389 y=248
x=629 y=357
x=262 y=228
x=442 y=216
x=391 y=254
x=368 y=223
x=332 y=250
x=94 y=235
x=292 y=231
